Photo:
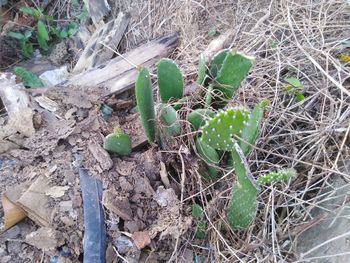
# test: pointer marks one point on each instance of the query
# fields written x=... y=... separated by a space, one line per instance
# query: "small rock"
x=2 y=251
x=63 y=260
x=5 y=259
x=66 y=206
x=13 y=232
x=45 y=238
x=13 y=247
x=123 y=244
x=165 y=197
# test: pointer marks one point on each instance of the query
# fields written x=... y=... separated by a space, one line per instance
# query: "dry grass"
x=289 y=39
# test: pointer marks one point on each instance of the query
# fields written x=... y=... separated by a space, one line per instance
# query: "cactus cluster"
x=222 y=136
x=170 y=84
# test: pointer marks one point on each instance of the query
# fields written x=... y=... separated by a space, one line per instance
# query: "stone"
x=334 y=226
x=45 y=239
x=123 y=244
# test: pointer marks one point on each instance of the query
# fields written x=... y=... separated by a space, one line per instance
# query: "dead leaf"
x=141 y=239
x=36 y=203
x=47 y=103
x=12 y=213
x=344 y=58
x=164 y=175
x=117 y=204
x=45 y=238
x=101 y=155
x=56 y=191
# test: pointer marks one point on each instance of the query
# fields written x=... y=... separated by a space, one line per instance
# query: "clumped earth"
x=151 y=192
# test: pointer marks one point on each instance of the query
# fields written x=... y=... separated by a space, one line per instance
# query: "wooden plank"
x=97 y=9
x=96 y=52
x=119 y=73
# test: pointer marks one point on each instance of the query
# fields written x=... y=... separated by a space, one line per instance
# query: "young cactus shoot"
x=118 y=143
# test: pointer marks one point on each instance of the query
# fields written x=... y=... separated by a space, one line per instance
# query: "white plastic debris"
x=54 y=77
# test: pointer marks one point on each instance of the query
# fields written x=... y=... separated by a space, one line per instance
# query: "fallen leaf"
x=344 y=58
x=56 y=191
x=164 y=175
x=45 y=238
x=12 y=213
x=294 y=82
x=141 y=239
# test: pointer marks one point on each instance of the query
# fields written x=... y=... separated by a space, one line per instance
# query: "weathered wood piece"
x=96 y=51
x=97 y=9
x=119 y=74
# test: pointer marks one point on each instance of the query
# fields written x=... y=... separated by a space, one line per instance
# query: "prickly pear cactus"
x=229 y=74
x=217 y=61
x=169 y=120
x=242 y=206
x=279 y=176
x=170 y=80
x=198 y=117
x=207 y=153
x=234 y=69
x=201 y=70
x=118 y=142
x=218 y=131
x=251 y=129
x=144 y=100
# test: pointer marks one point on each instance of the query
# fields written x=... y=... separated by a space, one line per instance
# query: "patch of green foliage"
x=46 y=31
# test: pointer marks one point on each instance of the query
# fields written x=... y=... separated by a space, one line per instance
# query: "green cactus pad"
x=181 y=102
x=144 y=100
x=201 y=70
x=169 y=120
x=207 y=153
x=118 y=143
x=217 y=61
x=242 y=207
x=279 y=176
x=218 y=131
x=234 y=69
x=198 y=117
x=250 y=131
x=170 y=81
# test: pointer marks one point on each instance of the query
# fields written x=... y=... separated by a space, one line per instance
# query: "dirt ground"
x=151 y=192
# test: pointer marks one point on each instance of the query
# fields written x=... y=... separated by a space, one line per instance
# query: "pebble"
x=123 y=244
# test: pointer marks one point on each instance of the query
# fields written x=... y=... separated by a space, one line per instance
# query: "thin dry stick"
x=335 y=164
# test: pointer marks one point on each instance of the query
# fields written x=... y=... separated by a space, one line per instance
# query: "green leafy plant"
x=43 y=34
x=201 y=226
x=26 y=47
x=294 y=87
x=118 y=143
x=35 y=12
x=28 y=78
